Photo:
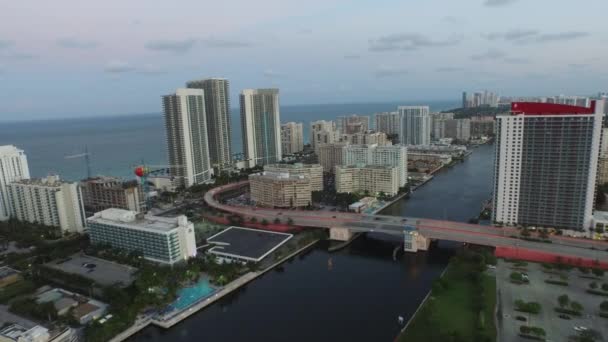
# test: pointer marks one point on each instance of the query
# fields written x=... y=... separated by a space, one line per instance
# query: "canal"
x=355 y=294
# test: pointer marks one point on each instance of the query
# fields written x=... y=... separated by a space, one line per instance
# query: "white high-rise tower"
x=13 y=167
x=415 y=125
x=261 y=127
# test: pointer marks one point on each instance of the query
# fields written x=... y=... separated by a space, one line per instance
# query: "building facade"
x=101 y=193
x=331 y=155
x=280 y=190
x=322 y=132
x=260 y=124
x=393 y=156
x=292 y=137
x=187 y=140
x=366 y=138
x=314 y=172
x=48 y=201
x=13 y=167
x=367 y=179
x=217 y=114
x=546 y=165
x=457 y=129
x=166 y=240
x=482 y=126
x=389 y=123
x=437 y=126
x=415 y=125
x=352 y=124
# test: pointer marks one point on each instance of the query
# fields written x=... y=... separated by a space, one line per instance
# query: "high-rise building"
x=353 y=124
x=415 y=125
x=366 y=138
x=261 y=128
x=437 y=126
x=457 y=129
x=281 y=190
x=187 y=140
x=292 y=137
x=312 y=171
x=480 y=99
x=482 y=126
x=393 y=156
x=322 y=132
x=465 y=100
x=389 y=123
x=331 y=155
x=13 y=167
x=166 y=240
x=372 y=179
x=101 y=193
x=48 y=201
x=217 y=113
x=546 y=165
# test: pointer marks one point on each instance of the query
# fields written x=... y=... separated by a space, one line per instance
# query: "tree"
x=576 y=306
x=290 y=221
x=593 y=285
x=563 y=300
x=277 y=220
x=264 y=222
x=253 y=220
x=605 y=287
x=598 y=272
x=604 y=305
x=525 y=232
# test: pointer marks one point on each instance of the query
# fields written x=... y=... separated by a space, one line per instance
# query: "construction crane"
x=87 y=159
x=143 y=170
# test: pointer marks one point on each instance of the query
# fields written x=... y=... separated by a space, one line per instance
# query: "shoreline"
x=141 y=324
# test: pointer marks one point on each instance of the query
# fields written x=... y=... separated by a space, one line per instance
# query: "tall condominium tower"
x=546 y=164
x=393 y=156
x=260 y=122
x=415 y=125
x=322 y=132
x=292 y=137
x=389 y=123
x=187 y=139
x=13 y=167
x=353 y=124
x=217 y=113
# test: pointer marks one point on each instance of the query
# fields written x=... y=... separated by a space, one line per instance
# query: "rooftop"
x=365 y=166
x=6 y=271
x=248 y=243
x=51 y=181
x=9 y=149
x=121 y=217
x=538 y=108
x=292 y=166
x=277 y=176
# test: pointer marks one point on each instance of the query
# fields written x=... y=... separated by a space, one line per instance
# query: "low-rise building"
x=482 y=126
x=243 y=245
x=16 y=333
x=280 y=190
x=166 y=240
x=331 y=155
x=441 y=158
x=83 y=309
x=367 y=178
x=362 y=204
x=101 y=193
x=392 y=155
x=48 y=201
x=313 y=171
x=9 y=276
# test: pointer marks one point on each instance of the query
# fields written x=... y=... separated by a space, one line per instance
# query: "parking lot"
x=101 y=271
x=538 y=290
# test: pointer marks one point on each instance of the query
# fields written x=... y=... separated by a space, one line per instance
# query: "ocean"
x=118 y=143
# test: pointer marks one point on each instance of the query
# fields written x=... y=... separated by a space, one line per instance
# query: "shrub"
x=605 y=286
x=530 y=307
x=556 y=282
x=604 y=305
x=598 y=272
x=593 y=285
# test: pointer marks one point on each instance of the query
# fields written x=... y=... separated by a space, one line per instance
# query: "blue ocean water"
x=117 y=143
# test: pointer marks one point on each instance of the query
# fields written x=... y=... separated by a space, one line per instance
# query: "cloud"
x=149 y=69
x=168 y=45
x=118 y=67
x=516 y=60
x=498 y=3
x=20 y=56
x=578 y=65
x=304 y=31
x=512 y=35
x=385 y=71
x=408 y=41
x=562 y=36
x=491 y=54
x=75 y=43
x=6 y=43
x=452 y=20
x=225 y=43
x=448 y=69
x=534 y=36
x=352 y=56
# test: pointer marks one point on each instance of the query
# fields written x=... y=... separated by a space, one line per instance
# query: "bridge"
x=417 y=232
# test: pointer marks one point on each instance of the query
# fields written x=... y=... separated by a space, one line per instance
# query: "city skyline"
x=132 y=60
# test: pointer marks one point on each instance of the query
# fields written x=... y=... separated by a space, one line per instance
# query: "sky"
x=74 y=58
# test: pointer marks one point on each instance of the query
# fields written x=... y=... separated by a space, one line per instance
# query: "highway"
x=434 y=229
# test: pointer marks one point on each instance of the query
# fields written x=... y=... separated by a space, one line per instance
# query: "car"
x=580 y=328
x=562 y=316
x=492 y=267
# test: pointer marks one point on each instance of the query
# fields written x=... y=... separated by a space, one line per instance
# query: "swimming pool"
x=192 y=294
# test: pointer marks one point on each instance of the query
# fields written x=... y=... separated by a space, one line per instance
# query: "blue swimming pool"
x=192 y=294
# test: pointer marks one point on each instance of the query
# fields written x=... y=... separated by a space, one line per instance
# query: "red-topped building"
x=546 y=164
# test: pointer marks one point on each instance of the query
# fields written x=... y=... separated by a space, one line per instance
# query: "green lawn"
x=451 y=313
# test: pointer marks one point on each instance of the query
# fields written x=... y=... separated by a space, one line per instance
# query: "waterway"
x=355 y=294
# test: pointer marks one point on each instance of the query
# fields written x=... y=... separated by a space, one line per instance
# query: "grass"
x=450 y=311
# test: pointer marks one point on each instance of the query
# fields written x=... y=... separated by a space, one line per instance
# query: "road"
x=434 y=229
